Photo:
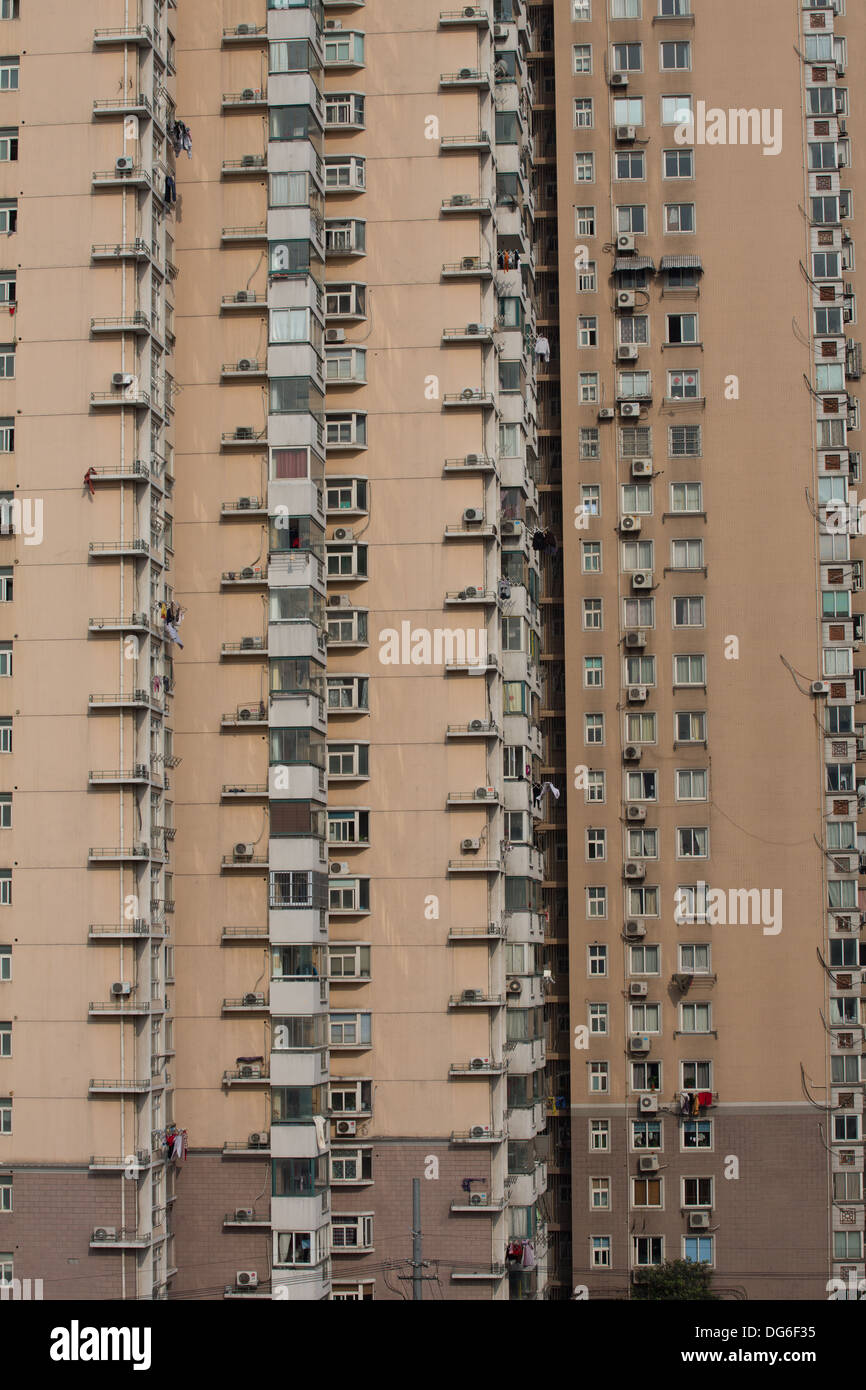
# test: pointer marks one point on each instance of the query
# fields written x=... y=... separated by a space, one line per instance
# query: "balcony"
x=468 y=397
x=476 y=728
x=136 y=622
x=471 y=596
x=478 y=1134
x=468 y=268
x=251 y=576
x=458 y=144
x=472 y=333
x=137 y=250
x=244 y=367
x=479 y=1066
x=240 y=1217
x=133 y=548
x=243 y=235
x=481 y=796
x=479 y=1203
x=476 y=999
x=131 y=396
x=246 y=35
x=99 y=1087
x=250 y=99
x=247 y=717
x=247 y=791
x=466 y=203
x=251 y=1074
x=469 y=530
x=245 y=1148
x=474 y=865
x=119 y=1239
x=131 y=176
x=139 y=774
x=133 y=699
x=111 y=1164
x=482 y=665
x=119 y=931
x=117 y=854
x=468 y=14
x=119 y=1009
x=138 y=105
x=244 y=861
x=244 y=506
x=466 y=77
x=488 y=931
x=140 y=34
x=246 y=1003
x=248 y=165
x=244 y=437
x=236 y=936
x=242 y=301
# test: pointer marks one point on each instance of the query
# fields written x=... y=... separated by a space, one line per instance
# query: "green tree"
x=683 y=1281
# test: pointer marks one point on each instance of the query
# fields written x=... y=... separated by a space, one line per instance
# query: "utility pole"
x=416 y=1240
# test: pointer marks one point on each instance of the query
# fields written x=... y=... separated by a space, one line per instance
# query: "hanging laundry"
x=548 y=786
x=170 y=189
x=514 y=1252
x=696 y=1106
x=685 y=1103
x=537 y=794
x=156 y=685
x=321 y=1133
x=705 y=1098
x=172 y=635
x=528 y=1255
x=88 y=481
x=542 y=348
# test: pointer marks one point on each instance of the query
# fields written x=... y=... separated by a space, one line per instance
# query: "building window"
x=7 y=361
x=351 y=1232
x=690 y=670
x=689 y=612
x=587 y=331
x=596 y=846
x=8 y=151
x=596 y=960
x=8 y=9
x=627 y=57
x=5 y=964
x=350 y=1029
x=634 y=330
x=584 y=167
x=646 y=1134
x=583 y=113
x=674 y=7
x=6 y=584
x=631 y=218
x=630 y=165
x=691 y=784
x=646 y=1192
x=686 y=497
x=590 y=552
x=682 y=328
x=678 y=164
x=646 y=1076
x=679 y=217
x=581 y=9
x=8 y=210
x=6 y=735
x=588 y=444
x=699 y=1249
x=5 y=1115
x=596 y=902
x=599 y=1194
x=8 y=74
x=587 y=282
x=582 y=58
x=5 y=1194
x=591 y=613
x=677 y=110
x=687 y=554
x=599 y=1074
x=595 y=787
x=647 y=1251
x=598 y=1019
x=693 y=842
x=600 y=1252
x=593 y=728
x=584 y=221
x=625 y=9
x=640 y=728
x=638 y=612
x=675 y=55
x=697 y=1134
x=599 y=1135
x=5 y=1039
x=643 y=844
x=593 y=672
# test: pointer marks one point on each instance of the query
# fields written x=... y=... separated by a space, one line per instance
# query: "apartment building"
x=709 y=461
x=418 y=426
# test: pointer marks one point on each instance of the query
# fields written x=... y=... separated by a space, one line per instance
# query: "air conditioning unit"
x=471 y=996
x=642 y=579
x=252 y=999
x=819 y=688
x=840 y=69
x=485 y=793
x=333 y=24
x=634 y=868
x=632 y=753
x=648 y=1163
x=638 y=989
x=641 y=468
x=335 y=335
x=630 y=523
x=467 y=393
x=124 y=164
x=634 y=927
x=122 y=987
x=648 y=1105
x=245 y=432
x=249 y=1071
x=635 y=814
x=635 y=639
x=246 y=1279
x=244 y=851
x=480 y=1131
x=471 y=591
x=259 y=1139
x=245 y=364
x=628 y=352
x=637 y=694
x=343 y=533
x=509 y=528
x=468 y=262
x=247 y=503
x=337 y=868
x=470 y=846
x=625 y=244
x=473 y=514
x=629 y=410
x=346 y=1128
x=626 y=132
x=105 y=1233
x=479 y=1063
x=244 y=1214
x=626 y=299
x=514 y=987
x=246 y=29
x=474 y=329
x=607 y=412
x=639 y=1042
x=249 y=161
x=478 y=1199
x=339 y=601
x=121 y=379
x=471 y=459
x=500 y=31
x=619 y=79
x=476 y=725
x=699 y=1220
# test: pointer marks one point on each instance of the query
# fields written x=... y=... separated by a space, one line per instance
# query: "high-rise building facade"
x=430 y=741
